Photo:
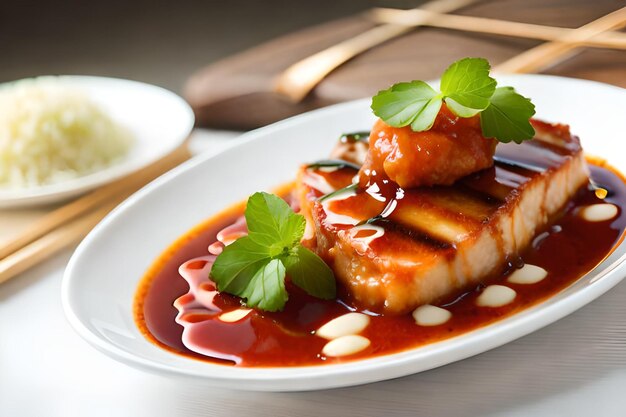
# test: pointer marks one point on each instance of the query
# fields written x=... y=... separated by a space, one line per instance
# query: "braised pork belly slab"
x=394 y=249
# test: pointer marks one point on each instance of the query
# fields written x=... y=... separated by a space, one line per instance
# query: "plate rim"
x=351 y=373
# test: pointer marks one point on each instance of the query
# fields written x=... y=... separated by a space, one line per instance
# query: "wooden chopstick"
x=297 y=81
x=614 y=40
x=49 y=244
x=94 y=199
x=540 y=57
x=68 y=224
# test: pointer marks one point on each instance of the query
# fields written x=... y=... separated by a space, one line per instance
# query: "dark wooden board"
x=237 y=92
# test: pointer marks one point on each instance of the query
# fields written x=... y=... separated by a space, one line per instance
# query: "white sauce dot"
x=496 y=296
x=368 y=239
x=336 y=218
x=428 y=315
x=233 y=316
x=318 y=182
x=374 y=191
x=345 y=345
x=528 y=274
x=599 y=212
x=348 y=324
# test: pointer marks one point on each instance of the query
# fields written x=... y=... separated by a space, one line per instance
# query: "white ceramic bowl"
x=103 y=274
x=158 y=119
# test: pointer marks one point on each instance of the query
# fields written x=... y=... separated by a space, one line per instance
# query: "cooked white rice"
x=51 y=132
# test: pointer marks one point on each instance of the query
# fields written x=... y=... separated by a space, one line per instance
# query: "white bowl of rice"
x=61 y=136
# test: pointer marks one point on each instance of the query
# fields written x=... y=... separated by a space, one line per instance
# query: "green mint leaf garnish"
x=467 y=89
x=403 y=103
x=309 y=272
x=254 y=266
x=426 y=117
x=467 y=83
x=266 y=290
x=272 y=223
x=237 y=264
x=461 y=110
x=507 y=117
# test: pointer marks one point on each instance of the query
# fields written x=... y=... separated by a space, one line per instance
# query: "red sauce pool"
x=568 y=249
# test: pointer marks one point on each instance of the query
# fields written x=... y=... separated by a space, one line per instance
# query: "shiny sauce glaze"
x=567 y=249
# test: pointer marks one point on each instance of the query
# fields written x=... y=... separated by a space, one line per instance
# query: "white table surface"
x=575 y=367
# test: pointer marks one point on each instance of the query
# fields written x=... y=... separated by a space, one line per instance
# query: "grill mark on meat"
x=415 y=235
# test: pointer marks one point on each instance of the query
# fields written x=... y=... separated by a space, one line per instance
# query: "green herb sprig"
x=254 y=266
x=467 y=89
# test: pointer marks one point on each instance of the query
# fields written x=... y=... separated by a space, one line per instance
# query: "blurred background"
x=165 y=44
x=158 y=42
